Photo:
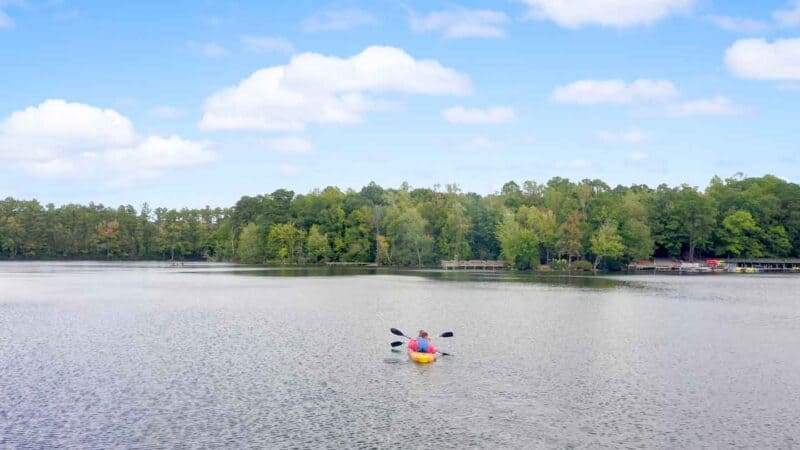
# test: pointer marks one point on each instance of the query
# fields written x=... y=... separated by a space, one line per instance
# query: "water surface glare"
x=97 y=355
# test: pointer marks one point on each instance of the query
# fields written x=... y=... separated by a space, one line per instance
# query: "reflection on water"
x=575 y=280
x=145 y=355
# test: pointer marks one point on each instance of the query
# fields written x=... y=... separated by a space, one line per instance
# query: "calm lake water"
x=147 y=356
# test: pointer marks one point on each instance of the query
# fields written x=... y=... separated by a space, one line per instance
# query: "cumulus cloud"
x=739 y=24
x=608 y=13
x=633 y=136
x=153 y=155
x=788 y=17
x=61 y=139
x=462 y=23
x=55 y=127
x=716 y=106
x=762 y=60
x=491 y=115
x=339 y=20
x=314 y=88
x=617 y=92
x=661 y=97
x=290 y=145
x=267 y=44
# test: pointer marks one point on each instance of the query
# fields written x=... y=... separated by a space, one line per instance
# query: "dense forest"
x=533 y=226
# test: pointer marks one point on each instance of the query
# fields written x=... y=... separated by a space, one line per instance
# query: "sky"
x=193 y=103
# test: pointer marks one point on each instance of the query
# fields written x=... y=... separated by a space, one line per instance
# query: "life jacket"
x=422 y=345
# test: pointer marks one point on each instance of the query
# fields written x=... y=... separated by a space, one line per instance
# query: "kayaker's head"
x=423 y=334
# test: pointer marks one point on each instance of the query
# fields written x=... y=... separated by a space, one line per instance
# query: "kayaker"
x=422 y=344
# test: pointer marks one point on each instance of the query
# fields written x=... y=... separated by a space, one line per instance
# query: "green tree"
x=606 y=243
x=637 y=240
x=740 y=236
x=570 y=237
x=286 y=241
x=405 y=229
x=697 y=214
x=250 y=250
x=520 y=246
x=317 y=245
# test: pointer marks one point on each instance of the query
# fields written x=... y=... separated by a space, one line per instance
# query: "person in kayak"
x=422 y=344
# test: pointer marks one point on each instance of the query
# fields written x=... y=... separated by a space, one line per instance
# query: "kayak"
x=422 y=358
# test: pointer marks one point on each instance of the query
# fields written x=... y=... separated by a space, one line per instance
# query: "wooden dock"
x=473 y=264
x=755 y=265
x=733 y=265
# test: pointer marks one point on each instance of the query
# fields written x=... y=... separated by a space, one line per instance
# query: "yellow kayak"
x=422 y=358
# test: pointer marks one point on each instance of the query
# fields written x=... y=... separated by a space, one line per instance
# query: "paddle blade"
x=396 y=332
x=446 y=334
x=396 y=344
x=445 y=354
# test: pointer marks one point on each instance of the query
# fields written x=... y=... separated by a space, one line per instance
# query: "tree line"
x=557 y=224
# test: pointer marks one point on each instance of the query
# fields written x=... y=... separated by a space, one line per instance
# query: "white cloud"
x=633 y=136
x=290 y=145
x=491 y=115
x=166 y=112
x=62 y=139
x=617 y=92
x=154 y=154
x=639 y=156
x=759 y=59
x=55 y=127
x=608 y=13
x=208 y=49
x=716 y=106
x=641 y=92
x=267 y=44
x=53 y=168
x=339 y=20
x=314 y=88
x=739 y=24
x=462 y=23
x=5 y=21
x=288 y=169
x=788 y=17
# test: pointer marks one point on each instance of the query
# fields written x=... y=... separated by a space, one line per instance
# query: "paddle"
x=397 y=332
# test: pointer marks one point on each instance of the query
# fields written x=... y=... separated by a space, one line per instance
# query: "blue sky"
x=192 y=103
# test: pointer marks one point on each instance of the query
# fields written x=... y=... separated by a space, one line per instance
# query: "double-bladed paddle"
x=397 y=332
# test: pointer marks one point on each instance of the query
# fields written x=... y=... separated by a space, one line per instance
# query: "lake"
x=144 y=355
